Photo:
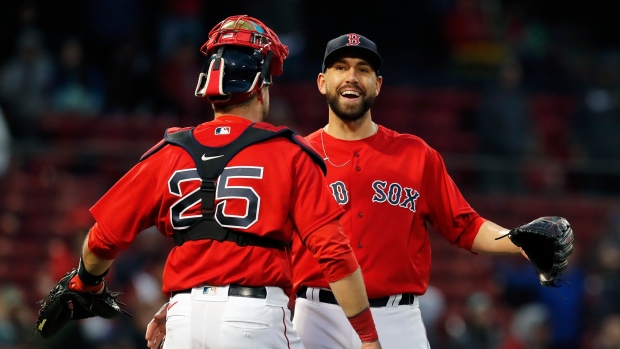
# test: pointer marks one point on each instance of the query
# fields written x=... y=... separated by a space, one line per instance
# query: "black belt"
x=328 y=297
x=236 y=291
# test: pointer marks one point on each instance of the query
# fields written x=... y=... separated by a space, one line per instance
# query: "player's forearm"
x=93 y=264
x=485 y=241
x=350 y=293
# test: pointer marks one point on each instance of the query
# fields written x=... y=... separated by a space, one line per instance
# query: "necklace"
x=326 y=158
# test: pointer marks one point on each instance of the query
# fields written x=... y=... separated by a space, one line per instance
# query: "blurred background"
x=522 y=98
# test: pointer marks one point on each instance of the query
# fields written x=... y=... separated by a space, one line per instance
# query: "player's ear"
x=320 y=82
x=378 y=84
x=262 y=94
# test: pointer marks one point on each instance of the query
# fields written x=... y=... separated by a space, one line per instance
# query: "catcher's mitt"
x=62 y=305
x=548 y=242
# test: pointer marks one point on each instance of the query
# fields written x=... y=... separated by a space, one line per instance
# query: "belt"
x=328 y=297
x=236 y=291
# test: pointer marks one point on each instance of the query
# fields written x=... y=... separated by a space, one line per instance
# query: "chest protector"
x=207 y=227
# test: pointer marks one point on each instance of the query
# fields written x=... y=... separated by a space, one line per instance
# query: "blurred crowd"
x=135 y=61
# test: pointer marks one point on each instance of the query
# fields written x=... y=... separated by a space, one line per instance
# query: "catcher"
x=233 y=193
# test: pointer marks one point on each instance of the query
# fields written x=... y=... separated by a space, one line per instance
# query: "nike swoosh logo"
x=207 y=158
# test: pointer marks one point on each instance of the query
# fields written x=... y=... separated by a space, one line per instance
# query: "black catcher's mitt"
x=548 y=242
x=62 y=305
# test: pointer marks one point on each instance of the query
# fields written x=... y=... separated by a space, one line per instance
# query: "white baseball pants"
x=208 y=318
x=324 y=326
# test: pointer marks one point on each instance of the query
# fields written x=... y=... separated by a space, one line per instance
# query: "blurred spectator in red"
x=78 y=86
x=5 y=144
x=473 y=34
x=530 y=39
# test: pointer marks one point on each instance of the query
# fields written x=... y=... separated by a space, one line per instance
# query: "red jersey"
x=390 y=185
x=267 y=189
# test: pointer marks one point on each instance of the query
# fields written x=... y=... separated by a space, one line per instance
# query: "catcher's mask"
x=242 y=55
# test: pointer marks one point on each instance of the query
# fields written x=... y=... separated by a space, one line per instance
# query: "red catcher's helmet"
x=243 y=30
x=230 y=41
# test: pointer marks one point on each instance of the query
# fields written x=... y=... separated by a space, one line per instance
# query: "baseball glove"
x=548 y=242
x=62 y=305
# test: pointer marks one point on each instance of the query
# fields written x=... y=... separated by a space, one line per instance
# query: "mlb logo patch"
x=224 y=130
x=209 y=290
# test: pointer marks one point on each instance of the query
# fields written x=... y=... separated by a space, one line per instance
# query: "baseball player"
x=229 y=192
x=391 y=186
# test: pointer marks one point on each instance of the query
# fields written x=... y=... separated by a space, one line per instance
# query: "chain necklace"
x=326 y=158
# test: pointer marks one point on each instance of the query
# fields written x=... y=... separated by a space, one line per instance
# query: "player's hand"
x=156 y=329
x=524 y=254
x=372 y=345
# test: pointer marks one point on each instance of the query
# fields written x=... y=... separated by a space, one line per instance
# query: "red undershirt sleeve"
x=471 y=225
x=330 y=246
x=99 y=245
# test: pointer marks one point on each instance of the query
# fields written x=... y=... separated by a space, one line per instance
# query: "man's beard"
x=349 y=112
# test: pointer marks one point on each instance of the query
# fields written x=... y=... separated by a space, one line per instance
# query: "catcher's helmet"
x=242 y=55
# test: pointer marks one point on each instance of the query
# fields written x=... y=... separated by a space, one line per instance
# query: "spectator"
x=177 y=82
x=607 y=264
x=473 y=36
x=180 y=22
x=119 y=37
x=432 y=306
x=480 y=330
x=505 y=130
x=529 y=329
x=25 y=82
x=15 y=320
x=566 y=306
x=78 y=87
x=608 y=336
x=598 y=124
x=5 y=145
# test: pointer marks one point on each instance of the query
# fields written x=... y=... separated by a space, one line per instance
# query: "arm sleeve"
x=99 y=245
x=315 y=214
x=330 y=247
x=449 y=213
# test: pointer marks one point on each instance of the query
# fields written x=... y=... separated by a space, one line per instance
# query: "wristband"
x=87 y=278
x=76 y=284
x=364 y=325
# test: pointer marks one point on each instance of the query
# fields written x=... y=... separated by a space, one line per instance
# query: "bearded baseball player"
x=229 y=192
x=391 y=186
